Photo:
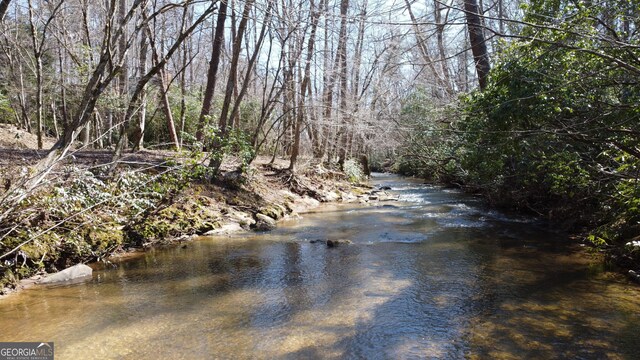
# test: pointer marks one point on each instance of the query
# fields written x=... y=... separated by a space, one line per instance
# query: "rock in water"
x=264 y=223
x=68 y=274
x=334 y=243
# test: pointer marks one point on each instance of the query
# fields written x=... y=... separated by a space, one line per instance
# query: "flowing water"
x=433 y=275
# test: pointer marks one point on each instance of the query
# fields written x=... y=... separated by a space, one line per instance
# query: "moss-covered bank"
x=87 y=216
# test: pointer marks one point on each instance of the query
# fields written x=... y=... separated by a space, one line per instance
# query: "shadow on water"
x=431 y=276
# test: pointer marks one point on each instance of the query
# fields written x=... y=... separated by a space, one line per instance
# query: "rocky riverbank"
x=86 y=217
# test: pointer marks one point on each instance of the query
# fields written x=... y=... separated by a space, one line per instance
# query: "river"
x=432 y=275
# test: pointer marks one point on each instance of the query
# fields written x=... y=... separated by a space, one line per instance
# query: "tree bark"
x=212 y=74
x=477 y=41
x=4 y=6
x=138 y=133
x=164 y=88
x=233 y=70
x=295 y=151
x=123 y=78
x=342 y=60
x=37 y=54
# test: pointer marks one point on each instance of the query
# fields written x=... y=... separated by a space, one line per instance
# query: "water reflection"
x=434 y=275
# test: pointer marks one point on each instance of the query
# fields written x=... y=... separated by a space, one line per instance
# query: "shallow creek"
x=432 y=275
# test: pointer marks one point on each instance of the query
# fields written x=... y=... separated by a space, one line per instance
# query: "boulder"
x=338 y=242
x=228 y=228
x=331 y=196
x=385 y=187
x=264 y=223
x=73 y=273
x=244 y=219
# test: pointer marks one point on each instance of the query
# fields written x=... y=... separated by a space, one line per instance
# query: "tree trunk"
x=4 y=6
x=440 y=26
x=37 y=54
x=212 y=74
x=166 y=108
x=245 y=83
x=477 y=41
x=328 y=84
x=123 y=79
x=233 y=70
x=342 y=57
x=160 y=63
x=138 y=133
x=295 y=151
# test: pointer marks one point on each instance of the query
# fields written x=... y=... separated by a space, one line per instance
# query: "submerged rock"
x=338 y=242
x=73 y=273
x=385 y=187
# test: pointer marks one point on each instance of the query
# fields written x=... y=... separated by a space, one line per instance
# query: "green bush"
x=555 y=131
x=6 y=112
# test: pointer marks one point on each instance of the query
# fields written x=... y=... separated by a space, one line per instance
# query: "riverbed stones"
x=76 y=272
x=264 y=223
x=244 y=219
x=274 y=211
x=228 y=228
x=331 y=196
x=337 y=242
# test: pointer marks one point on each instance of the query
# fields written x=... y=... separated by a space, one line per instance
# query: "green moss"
x=184 y=218
x=8 y=280
x=274 y=211
x=104 y=239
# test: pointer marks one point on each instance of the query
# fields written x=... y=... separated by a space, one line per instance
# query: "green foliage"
x=6 y=112
x=556 y=130
x=235 y=143
x=429 y=148
x=82 y=218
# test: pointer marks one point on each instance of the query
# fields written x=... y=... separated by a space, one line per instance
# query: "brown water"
x=434 y=275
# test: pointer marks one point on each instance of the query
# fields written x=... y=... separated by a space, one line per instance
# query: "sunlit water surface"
x=433 y=275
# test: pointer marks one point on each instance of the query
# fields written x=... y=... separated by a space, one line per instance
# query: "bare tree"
x=38 y=40
x=314 y=16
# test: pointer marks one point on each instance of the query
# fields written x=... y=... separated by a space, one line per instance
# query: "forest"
x=531 y=103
